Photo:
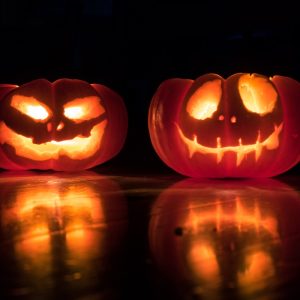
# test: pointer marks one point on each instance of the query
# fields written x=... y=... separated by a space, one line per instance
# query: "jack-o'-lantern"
x=242 y=126
x=66 y=125
x=59 y=231
x=212 y=236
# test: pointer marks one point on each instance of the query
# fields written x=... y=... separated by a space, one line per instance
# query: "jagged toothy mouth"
x=76 y=148
x=270 y=143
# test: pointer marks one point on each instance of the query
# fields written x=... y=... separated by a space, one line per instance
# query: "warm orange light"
x=202 y=259
x=270 y=143
x=237 y=217
x=259 y=270
x=67 y=209
x=76 y=148
x=33 y=251
x=204 y=102
x=82 y=109
x=240 y=215
x=60 y=126
x=31 y=107
x=257 y=93
x=73 y=207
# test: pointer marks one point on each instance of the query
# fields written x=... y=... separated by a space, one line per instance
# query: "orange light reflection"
x=241 y=216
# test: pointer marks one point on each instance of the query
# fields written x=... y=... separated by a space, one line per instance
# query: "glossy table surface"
x=89 y=236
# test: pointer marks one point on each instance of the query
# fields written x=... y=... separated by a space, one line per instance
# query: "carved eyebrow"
x=83 y=109
x=31 y=107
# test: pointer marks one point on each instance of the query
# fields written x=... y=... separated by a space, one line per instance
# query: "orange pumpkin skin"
x=242 y=126
x=67 y=125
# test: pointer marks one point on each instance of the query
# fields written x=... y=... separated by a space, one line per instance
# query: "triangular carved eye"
x=83 y=109
x=31 y=107
x=205 y=100
x=258 y=93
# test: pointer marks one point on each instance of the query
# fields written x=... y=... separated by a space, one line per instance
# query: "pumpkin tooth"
x=240 y=153
x=273 y=140
x=220 y=153
x=258 y=136
x=258 y=150
x=240 y=157
x=192 y=150
x=258 y=147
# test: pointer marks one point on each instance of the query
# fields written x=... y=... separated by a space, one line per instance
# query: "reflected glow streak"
x=71 y=209
x=270 y=143
x=240 y=216
x=260 y=268
x=202 y=259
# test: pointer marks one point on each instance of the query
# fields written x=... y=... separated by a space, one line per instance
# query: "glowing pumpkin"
x=65 y=125
x=211 y=236
x=243 y=126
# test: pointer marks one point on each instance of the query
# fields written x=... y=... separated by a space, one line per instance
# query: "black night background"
x=132 y=46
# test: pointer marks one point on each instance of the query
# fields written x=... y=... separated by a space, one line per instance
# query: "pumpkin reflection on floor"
x=216 y=236
x=60 y=229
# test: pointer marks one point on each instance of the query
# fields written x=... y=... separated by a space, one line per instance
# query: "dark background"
x=132 y=46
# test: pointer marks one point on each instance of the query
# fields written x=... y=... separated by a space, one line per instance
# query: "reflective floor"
x=88 y=236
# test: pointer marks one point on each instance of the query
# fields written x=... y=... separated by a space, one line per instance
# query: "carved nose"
x=221 y=118
x=49 y=126
x=233 y=119
x=60 y=126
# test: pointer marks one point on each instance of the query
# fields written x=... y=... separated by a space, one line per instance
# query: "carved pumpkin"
x=243 y=126
x=65 y=125
x=211 y=236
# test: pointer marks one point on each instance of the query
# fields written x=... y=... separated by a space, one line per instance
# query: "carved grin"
x=76 y=148
x=270 y=143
